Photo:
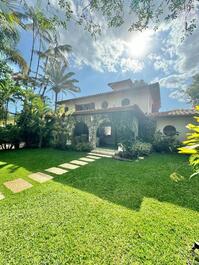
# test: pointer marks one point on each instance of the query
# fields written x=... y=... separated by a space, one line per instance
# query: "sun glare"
x=139 y=44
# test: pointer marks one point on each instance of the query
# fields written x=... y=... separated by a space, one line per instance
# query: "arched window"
x=169 y=130
x=104 y=105
x=125 y=102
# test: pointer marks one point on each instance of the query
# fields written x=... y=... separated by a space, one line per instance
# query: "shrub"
x=147 y=129
x=126 y=154
x=136 y=149
x=162 y=143
x=83 y=147
x=141 y=149
x=9 y=137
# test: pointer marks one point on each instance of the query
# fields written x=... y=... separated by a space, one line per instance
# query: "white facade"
x=178 y=122
x=146 y=97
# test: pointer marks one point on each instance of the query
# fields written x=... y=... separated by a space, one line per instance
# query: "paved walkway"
x=18 y=185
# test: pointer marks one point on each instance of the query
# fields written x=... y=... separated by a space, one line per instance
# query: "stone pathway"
x=40 y=177
x=86 y=159
x=93 y=157
x=19 y=184
x=78 y=162
x=68 y=166
x=101 y=155
x=56 y=170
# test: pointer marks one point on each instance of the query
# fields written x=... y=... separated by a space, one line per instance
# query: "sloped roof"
x=177 y=112
x=153 y=88
x=134 y=108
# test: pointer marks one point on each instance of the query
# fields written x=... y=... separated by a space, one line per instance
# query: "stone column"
x=92 y=135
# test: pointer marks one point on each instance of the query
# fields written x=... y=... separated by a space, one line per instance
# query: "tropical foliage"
x=192 y=145
x=193 y=90
x=140 y=14
x=59 y=80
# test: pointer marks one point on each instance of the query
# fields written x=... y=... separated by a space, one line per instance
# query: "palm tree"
x=59 y=80
x=54 y=52
x=10 y=18
x=33 y=14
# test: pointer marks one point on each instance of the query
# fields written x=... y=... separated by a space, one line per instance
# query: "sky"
x=117 y=54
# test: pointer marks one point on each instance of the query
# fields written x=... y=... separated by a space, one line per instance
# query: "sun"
x=139 y=44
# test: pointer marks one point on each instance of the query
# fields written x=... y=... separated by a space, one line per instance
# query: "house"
x=98 y=116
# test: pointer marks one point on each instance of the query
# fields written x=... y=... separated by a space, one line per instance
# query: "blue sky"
x=118 y=54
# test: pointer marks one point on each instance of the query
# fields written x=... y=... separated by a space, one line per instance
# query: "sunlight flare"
x=140 y=44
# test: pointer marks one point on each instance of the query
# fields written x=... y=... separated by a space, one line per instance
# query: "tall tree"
x=193 y=90
x=39 y=25
x=140 y=14
x=54 y=52
x=10 y=19
x=59 y=80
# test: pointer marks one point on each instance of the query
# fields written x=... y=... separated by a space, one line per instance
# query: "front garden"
x=107 y=212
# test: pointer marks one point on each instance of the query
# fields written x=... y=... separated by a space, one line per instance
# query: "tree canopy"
x=193 y=90
x=141 y=14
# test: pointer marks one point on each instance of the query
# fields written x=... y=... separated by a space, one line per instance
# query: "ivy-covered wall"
x=118 y=120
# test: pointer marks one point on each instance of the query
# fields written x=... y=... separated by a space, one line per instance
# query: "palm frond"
x=16 y=57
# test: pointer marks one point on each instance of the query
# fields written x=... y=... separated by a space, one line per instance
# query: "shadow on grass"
x=127 y=183
x=35 y=159
x=122 y=183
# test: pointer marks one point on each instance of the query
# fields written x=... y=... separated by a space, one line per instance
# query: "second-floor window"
x=125 y=102
x=87 y=106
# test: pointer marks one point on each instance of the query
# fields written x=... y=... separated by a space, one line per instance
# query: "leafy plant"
x=193 y=90
x=33 y=119
x=9 y=137
x=62 y=127
x=192 y=145
x=147 y=129
x=83 y=147
x=59 y=80
x=163 y=143
x=141 y=148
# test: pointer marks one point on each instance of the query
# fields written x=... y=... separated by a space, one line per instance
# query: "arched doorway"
x=106 y=135
x=81 y=132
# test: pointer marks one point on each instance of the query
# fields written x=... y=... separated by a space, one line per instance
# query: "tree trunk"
x=46 y=85
x=56 y=97
x=38 y=61
x=33 y=47
x=6 y=113
x=40 y=140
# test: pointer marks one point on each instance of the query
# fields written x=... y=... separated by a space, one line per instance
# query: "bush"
x=147 y=128
x=167 y=144
x=136 y=149
x=141 y=149
x=10 y=137
x=83 y=147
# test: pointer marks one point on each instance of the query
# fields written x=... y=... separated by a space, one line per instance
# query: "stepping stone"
x=56 y=170
x=77 y=162
x=1 y=196
x=93 y=157
x=17 y=185
x=68 y=166
x=40 y=177
x=86 y=159
x=101 y=155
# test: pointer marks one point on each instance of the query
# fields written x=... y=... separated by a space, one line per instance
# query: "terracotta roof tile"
x=177 y=112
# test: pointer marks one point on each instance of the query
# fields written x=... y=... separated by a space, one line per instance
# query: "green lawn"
x=107 y=212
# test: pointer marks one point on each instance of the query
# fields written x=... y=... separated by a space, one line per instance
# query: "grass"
x=107 y=212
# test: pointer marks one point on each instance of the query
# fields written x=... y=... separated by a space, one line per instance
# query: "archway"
x=81 y=132
x=106 y=135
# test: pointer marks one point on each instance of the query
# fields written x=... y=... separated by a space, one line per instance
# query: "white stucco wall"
x=178 y=122
x=141 y=97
